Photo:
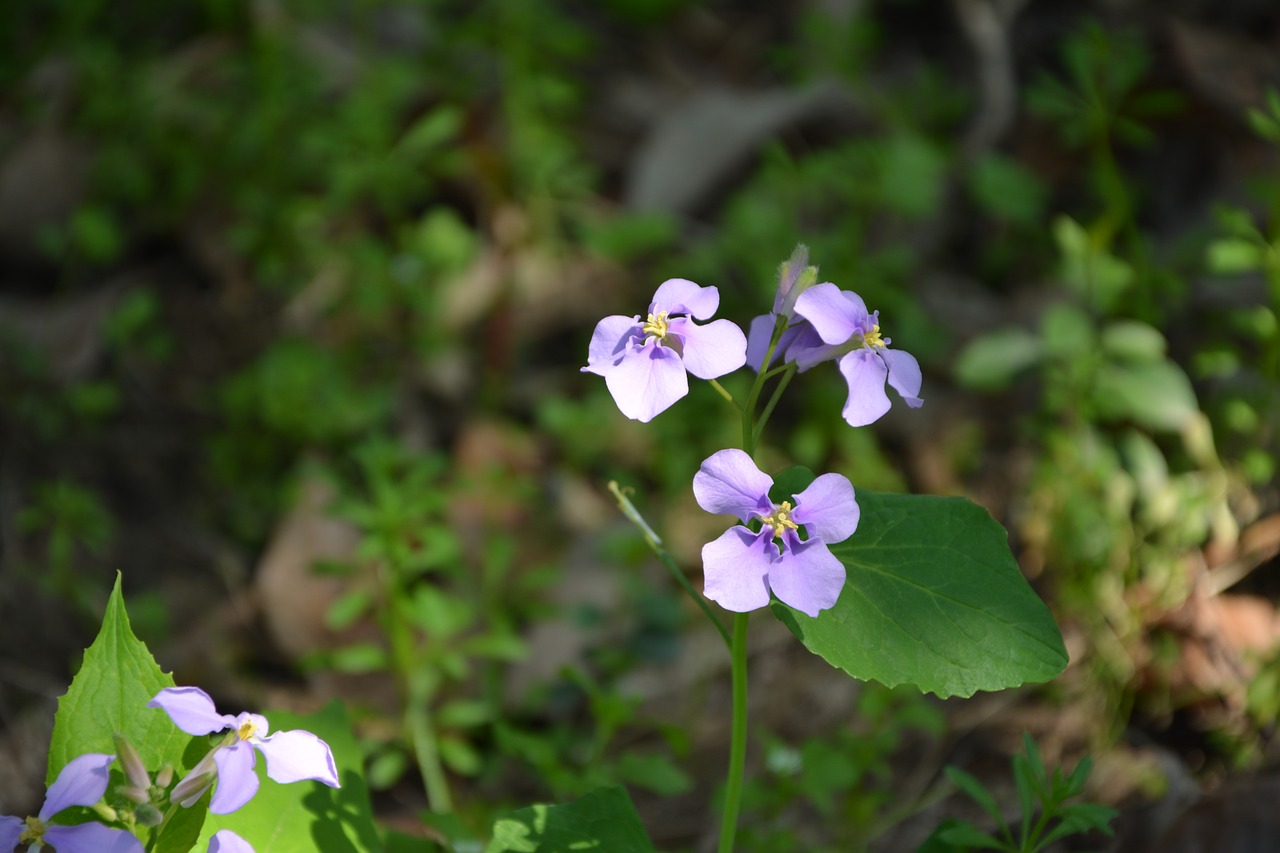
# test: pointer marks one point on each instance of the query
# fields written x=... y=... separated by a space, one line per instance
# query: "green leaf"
x=790 y=482
x=654 y=772
x=603 y=820
x=305 y=816
x=1232 y=256
x=933 y=597
x=1131 y=340
x=994 y=360
x=975 y=789
x=966 y=835
x=935 y=842
x=1155 y=395
x=110 y=694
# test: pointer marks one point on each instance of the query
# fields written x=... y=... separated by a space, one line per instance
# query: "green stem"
x=773 y=401
x=417 y=693
x=655 y=545
x=423 y=736
x=738 y=742
x=724 y=392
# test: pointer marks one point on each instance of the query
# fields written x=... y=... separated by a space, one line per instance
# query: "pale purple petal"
x=865 y=372
x=827 y=509
x=808 y=576
x=730 y=483
x=191 y=710
x=734 y=568
x=91 y=838
x=904 y=375
x=647 y=382
x=681 y=296
x=237 y=782
x=806 y=349
x=712 y=350
x=226 y=841
x=611 y=338
x=296 y=755
x=836 y=314
x=759 y=333
x=10 y=829
x=82 y=782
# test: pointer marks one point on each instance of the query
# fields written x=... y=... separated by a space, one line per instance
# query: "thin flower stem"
x=773 y=401
x=655 y=544
x=724 y=392
x=738 y=742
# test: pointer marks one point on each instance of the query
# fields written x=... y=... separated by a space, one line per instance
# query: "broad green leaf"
x=1156 y=395
x=1131 y=340
x=790 y=482
x=934 y=598
x=603 y=820
x=302 y=817
x=994 y=360
x=654 y=772
x=110 y=694
x=1232 y=256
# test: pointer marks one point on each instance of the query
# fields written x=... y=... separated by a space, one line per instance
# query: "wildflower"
x=81 y=783
x=291 y=756
x=226 y=841
x=789 y=555
x=848 y=332
x=644 y=362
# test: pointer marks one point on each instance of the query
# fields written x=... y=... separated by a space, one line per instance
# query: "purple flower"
x=226 y=841
x=741 y=568
x=848 y=332
x=292 y=756
x=644 y=362
x=81 y=783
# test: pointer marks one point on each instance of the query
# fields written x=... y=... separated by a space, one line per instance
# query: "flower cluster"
x=779 y=549
x=228 y=769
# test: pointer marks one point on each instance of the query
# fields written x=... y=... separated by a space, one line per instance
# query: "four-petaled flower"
x=291 y=756
x=742 y=566
x=850 y=333
x=643 y=362
x=81 y=783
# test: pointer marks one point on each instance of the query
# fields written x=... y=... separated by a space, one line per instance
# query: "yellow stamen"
x=872 y=338
x=246 y=730
x=656 y=325
x=780 y=519
x=34 y=831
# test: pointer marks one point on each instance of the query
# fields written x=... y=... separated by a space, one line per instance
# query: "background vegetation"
x=294 y=297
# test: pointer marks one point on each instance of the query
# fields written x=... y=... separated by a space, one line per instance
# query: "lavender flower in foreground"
x=848 y=332
x=291 y=756
x=742 y=567
x=81 y=783
x=226 y=841
x=644 y=362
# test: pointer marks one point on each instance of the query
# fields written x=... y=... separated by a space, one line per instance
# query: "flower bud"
x=134 y=770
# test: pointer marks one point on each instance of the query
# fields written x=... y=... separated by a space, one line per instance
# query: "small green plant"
x=1046 y=815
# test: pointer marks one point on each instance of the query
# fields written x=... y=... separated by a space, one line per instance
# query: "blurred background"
x=293 y=297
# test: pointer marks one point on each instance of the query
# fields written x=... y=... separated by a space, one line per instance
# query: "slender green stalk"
x=724 y=392
x=738 y=737
x=423 y=736
x=773 y=401
x=655 y=545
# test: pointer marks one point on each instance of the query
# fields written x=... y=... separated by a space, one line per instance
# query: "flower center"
x=656 y=325
x=34 y=831
x=246 y=730
x=872 y=338
x=780 y=519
